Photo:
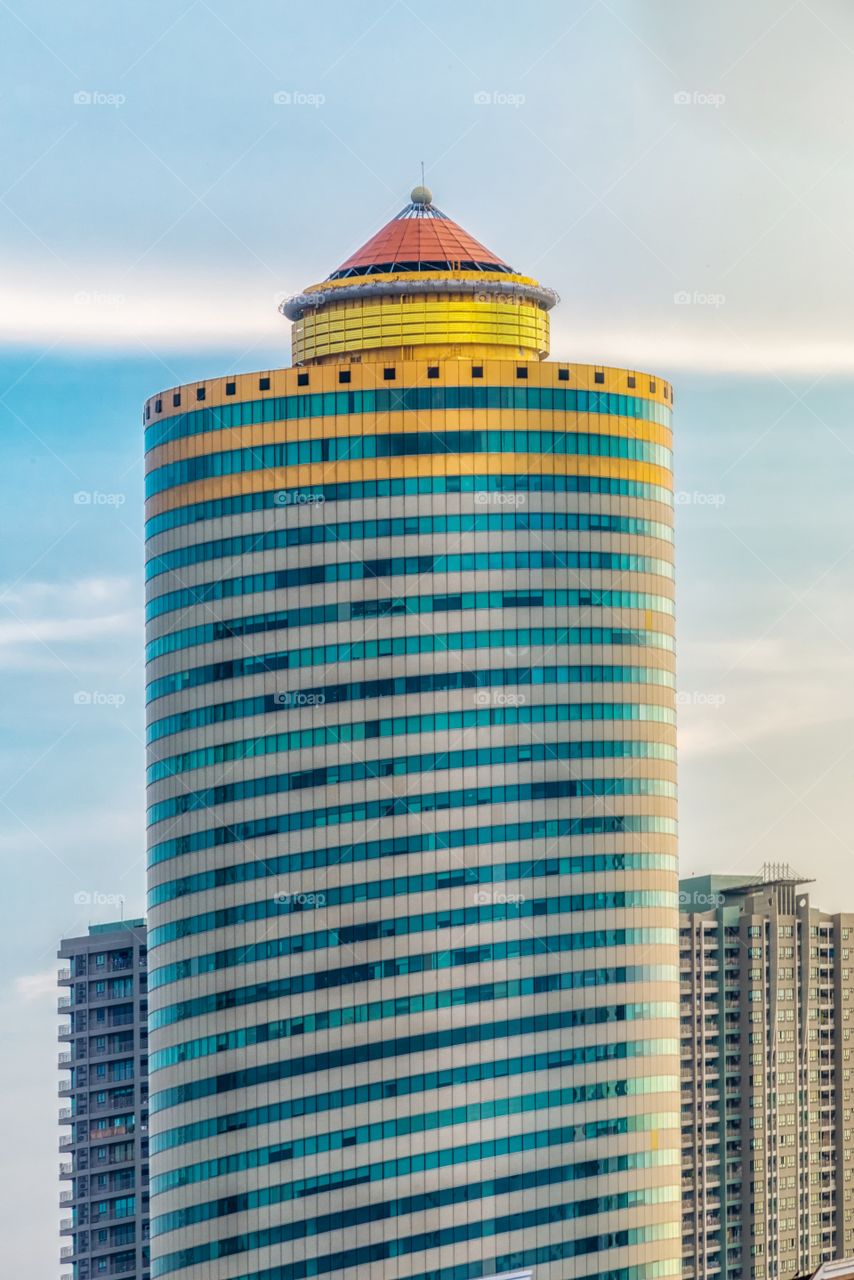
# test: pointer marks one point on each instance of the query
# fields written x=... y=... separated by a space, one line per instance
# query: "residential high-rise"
x=768 y=1157
x=412 y=855
x=106 y=1092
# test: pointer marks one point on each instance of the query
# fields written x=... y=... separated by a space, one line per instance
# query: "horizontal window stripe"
x=372 y=971
x=393 y=686
x=546 y=828
x=399 y=444
x=359 y=650
x=514 y=1224
x=378 y=1050
x=342 y=1219
x=431 y=722
x=399 y=606
x=402 y=486
x=428 y=1082
x=401 y=399
x=285 y=903
x=401 y=527
x=403 y=926
x=397 y=806
x=405 y=1166
x=407 y=766
x=400 y=846
x=403 y=566
x=405 y=1006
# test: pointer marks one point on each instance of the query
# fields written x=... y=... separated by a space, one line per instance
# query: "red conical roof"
x=420 y=238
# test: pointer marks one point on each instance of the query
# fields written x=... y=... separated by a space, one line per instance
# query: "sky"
x=681 y=173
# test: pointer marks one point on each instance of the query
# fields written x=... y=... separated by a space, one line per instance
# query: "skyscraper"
x=105 y=1177
x=768 y=1157
x=414 y=930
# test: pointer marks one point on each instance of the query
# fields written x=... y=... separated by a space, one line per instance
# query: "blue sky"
x=681 y=174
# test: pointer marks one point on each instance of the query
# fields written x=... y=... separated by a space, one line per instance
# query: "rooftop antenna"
x=422 y=174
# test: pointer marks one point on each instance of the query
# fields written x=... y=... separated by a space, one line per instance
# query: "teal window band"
x=388 y=807
x=402 y=487
x=391 y=686
x=395 y=646
x=266 y=1237
x=514 y=1224
x=404 y=527
x=403 y=766
x=286 y=1069
x=244 y=413
x=399 y=846
x=400 y=606
x=428 y=1082
x=403 y=566
x=373 y=971
x=377 y=1010
x=231 y=462
x=401 y=927
x=283 y=1193
x=395 y=726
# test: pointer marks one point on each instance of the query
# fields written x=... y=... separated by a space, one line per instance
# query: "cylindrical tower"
x=412 y=859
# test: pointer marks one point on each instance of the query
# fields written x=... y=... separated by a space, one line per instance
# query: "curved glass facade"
x=440 y=1040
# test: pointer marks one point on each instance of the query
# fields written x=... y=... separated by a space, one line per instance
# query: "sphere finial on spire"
x=421 y=195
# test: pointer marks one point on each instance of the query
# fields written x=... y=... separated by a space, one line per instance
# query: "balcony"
x=63 y=1003
x=66 y=1226
x=65 y=1115
x=66 y=1252
x=65 y=1197
x=64 y=1059
x=63 y=976
x=65 y=1032
x=66 y=1144
x=66 y=1171
x=64 y=1087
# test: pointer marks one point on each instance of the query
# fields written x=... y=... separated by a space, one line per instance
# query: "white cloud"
x=39 y=617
